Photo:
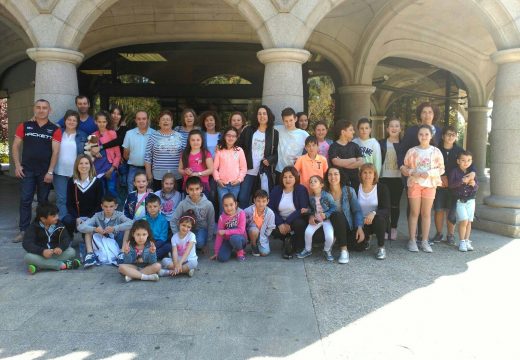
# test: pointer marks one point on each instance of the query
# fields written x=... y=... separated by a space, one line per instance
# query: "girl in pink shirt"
x=107 y=161
x=231 y=231
x=196 y=160
x=230 y=165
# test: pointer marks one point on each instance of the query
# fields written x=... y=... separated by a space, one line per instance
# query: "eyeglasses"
x=451 y=134
x=231 y=135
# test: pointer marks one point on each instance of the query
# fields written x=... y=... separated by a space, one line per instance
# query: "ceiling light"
x=143 y=57
x=98 y=72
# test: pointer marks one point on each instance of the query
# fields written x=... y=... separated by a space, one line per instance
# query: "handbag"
x=105 y=248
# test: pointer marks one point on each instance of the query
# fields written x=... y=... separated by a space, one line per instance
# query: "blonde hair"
x=369 y=167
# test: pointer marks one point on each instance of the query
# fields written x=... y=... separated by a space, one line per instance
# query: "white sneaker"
x=343 y=257
x=412 y=246
x=469 y=245
x=463 y=246
x=425 y=246
x=191 y=272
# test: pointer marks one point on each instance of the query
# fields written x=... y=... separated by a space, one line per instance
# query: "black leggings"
x=395 y=185
x=377 y=227
x=298 y=226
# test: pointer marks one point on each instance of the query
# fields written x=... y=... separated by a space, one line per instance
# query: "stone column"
x=56 y=78
x=378 y=126
x=501 y=212
x=283 y=84
x=355 y=102
x=476 y=138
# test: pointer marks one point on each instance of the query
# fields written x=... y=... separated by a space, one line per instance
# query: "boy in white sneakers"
x=464 y=186
x=259 y=223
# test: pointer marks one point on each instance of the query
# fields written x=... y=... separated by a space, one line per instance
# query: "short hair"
x=464 y=153
x=320 y=122
x=103 y=113
x=184 y=112
x=152 y=198
x=270 y=117
x=419 y=109
x=294 y=173
x=108 y=198
x=75 y=172
x=141 y=111
x=369 y=166
x=288 y=111
x=205 y=115
x=42 y=100
x=193 y=180
x=165 y=113
x=81 y=96
x=261 y=194
x=311 y=140
x=364 y=120
x=448 y=128
x=45 y=210
x=341 y=125
x=70 y=113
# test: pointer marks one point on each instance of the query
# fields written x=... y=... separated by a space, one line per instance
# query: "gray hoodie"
x=204 y=214
x=118 y=220
x=267 y=227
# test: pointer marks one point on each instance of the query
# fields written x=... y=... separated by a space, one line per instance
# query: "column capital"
x=506 y=56
x=483 y=109
x=267 y=56
x=55 y=54
x=377 y=117
x=357 y=89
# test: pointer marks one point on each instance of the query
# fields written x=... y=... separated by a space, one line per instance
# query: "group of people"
x=242 y=185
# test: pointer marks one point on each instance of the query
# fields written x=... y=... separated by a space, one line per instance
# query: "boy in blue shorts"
x=464 y=186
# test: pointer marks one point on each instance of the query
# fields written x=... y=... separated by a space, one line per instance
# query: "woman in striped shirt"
x=163 y=152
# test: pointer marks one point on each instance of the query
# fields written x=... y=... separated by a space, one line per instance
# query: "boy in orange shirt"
x=311 y=163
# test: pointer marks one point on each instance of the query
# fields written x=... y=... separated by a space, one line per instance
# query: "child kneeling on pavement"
x=48 y=243
x=260 y=223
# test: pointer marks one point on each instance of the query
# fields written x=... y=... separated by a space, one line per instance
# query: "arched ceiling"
x=130 y=22
x=13 y=39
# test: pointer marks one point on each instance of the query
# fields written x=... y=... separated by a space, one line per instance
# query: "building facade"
x=44 y=42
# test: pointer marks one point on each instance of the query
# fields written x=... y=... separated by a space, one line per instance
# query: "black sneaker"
x=254 y=250
x=287 y=248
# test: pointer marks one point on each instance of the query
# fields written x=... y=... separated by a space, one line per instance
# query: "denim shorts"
x=442 y=199
x=466 y=210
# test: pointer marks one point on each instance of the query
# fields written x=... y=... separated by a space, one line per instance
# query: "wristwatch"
x=50 y=173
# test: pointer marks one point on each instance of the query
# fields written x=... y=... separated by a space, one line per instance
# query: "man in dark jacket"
x=47 y=242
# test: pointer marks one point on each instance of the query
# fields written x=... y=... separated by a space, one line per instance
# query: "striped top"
x=163 y=152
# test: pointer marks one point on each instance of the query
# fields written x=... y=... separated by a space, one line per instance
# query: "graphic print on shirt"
x=231 y=223
x=170 y=145
x=181 y=248
x=257 y=148
x=367 y=154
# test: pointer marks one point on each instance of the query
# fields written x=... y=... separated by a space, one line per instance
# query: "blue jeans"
x=246 y=187
x=110 y=184
x=201 y=236
x=228 y=188
x=132 y=170
x=122 y=170
x=235 y=242
x=60 y=188
x=31 y=183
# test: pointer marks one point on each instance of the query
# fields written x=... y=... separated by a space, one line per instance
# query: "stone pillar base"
x=502 y=221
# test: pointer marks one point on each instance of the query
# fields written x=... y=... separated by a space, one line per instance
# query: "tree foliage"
x=4 y=143
x=321 y=102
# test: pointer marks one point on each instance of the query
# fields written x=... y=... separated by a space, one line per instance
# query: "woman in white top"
x=374 y=201
x=72 y=144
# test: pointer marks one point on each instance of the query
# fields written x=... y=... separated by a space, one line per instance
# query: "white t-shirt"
x=286 y=206
x=390 y=169
x=182 y=245
x=257 y=151
x=211 y=143
x=367 y=201
x=67 y=155
x=290 y=146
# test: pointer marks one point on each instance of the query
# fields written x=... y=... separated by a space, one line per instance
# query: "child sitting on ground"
x=204 y=212
x=104 y=233
x=170 y=197
x=159 y=225
x=47 y=242
x=140 y=259
x=184 y=258
x=135 y=208
x=464 y=186
x=260 y=223
x=231 y=231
